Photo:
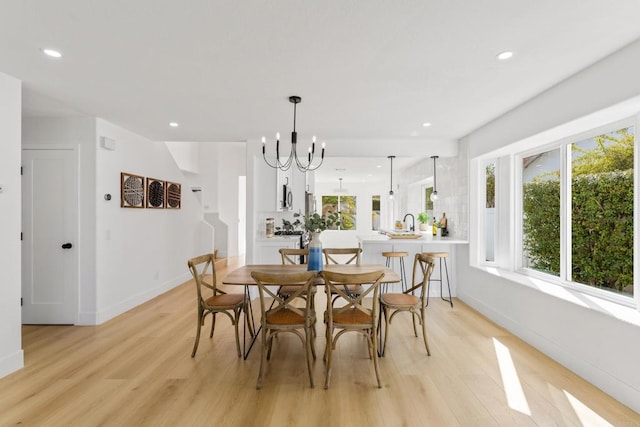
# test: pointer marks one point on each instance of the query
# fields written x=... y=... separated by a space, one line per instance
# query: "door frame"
x=75 y=150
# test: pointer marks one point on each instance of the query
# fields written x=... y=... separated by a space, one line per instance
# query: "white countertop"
x=425 y=239
x=264 y=238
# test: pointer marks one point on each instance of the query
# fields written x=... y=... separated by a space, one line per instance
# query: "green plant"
x=423 y=218
x=288 y=226
x=315 y=223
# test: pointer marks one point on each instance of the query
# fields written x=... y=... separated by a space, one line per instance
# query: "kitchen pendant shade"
x=434 y=194
x=391 y=175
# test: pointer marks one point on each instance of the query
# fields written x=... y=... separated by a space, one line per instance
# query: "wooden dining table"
x=242 y=277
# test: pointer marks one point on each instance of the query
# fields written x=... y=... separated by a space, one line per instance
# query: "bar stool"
x=441 y=256
x=397 y=255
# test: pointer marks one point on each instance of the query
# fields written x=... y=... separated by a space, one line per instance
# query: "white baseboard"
x=11 y=363
x=97 y=318
x=606 y=382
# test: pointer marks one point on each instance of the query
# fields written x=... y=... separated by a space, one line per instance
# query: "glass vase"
x=315 y=253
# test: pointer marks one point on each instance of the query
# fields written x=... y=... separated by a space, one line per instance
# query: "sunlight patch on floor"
x=510 y=381
x=586 y=415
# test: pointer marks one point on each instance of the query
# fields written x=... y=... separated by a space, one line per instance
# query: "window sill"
x=621 y=312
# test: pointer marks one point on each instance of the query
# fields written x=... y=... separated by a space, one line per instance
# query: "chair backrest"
x=422 y=267
x=268 y=284
x=342 y=255
x=292 y=256
x=336 y=283
x=203 y=270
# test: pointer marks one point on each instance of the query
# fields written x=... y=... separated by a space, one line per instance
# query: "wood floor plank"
x=136 y=370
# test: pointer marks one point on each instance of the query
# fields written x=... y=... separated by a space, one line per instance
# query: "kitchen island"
x=374 y=244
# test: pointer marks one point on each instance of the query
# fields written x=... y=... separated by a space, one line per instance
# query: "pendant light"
x=434 y=194
x=391 y=184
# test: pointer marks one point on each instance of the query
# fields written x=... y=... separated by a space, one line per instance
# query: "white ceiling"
x=366 y=70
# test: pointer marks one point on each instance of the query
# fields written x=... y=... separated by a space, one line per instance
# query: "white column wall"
x=141 y=253
x=11 y=355
x=600 y=348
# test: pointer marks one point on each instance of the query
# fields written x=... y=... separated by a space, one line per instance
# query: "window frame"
x=564 y=279
x=482 y=220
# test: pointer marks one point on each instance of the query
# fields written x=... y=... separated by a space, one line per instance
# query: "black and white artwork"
x=131 y=190
x=155 y=193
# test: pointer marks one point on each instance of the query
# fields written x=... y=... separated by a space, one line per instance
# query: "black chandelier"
x=293 y=155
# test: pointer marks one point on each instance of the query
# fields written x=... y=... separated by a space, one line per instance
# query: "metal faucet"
x=413 y=221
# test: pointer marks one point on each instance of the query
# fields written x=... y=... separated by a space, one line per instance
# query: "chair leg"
x=374 y=349
x=309 y=349
x=263 y=358
x=213 y=324
x=413 y=318
x=386 y=328
x=328 y=351
x=423 y=320
x=195 y=345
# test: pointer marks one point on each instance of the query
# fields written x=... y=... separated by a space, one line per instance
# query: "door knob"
x=67 y=246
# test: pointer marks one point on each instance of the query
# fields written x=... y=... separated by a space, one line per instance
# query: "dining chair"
x=294 y=256
x=354 y=316
x=344 y=256
x=283 y=315
x=232 y=305
x=407 y=301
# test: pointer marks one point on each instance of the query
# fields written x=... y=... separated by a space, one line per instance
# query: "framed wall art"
x=173 y=195
x=155 y=193
x=131 y=190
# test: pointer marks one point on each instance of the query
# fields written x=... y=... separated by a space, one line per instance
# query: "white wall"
x=140 y=253
x=186 y=155
x=220 y=165
x=78 y=133
x=231 y=164
x=11 y=356
x=600 y=348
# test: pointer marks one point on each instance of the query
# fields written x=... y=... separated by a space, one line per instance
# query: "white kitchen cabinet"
x=267 y=248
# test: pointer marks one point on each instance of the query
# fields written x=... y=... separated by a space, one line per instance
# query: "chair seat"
x=351 y=317
x=285 y=317
x=400 y=300
x=224 y=300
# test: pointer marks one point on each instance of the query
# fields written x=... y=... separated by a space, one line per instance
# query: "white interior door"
x=49 y=216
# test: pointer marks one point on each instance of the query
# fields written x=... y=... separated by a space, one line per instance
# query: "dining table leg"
x=250 y=324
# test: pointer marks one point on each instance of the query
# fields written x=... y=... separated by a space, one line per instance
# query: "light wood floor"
x=136 y=370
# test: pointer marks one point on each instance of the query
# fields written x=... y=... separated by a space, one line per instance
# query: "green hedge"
x=602 y=231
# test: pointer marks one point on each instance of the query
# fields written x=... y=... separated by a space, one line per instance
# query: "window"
x=577 y=210
x=345 y=206
x=490 y=211
x=541 y=212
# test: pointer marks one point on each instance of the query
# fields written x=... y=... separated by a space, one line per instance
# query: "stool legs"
x=450 y=300
x=403 y=275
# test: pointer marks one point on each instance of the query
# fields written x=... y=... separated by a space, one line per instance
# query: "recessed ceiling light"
x=504 y=55
x=52 y=53
x=426 y=124
x=174 y=124
x=378 y=166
